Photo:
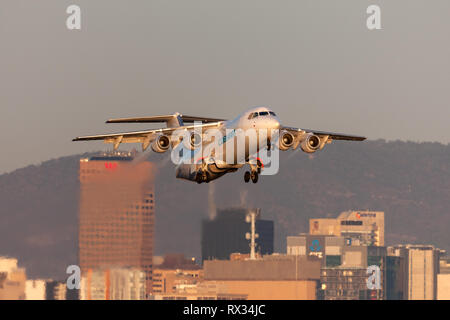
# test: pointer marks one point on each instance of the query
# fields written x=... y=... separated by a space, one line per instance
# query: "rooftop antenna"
x=252 y=235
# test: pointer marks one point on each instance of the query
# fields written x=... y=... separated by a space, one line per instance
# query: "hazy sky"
x=314 y=62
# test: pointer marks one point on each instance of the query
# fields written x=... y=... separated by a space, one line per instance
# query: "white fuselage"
x=226 y=155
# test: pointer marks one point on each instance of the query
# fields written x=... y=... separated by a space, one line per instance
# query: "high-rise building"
x=226 y=234
x=359 y=227
x=116 y=218
x=421 y=268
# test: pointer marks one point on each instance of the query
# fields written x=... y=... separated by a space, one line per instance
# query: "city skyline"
x=335 y=267
x=225 y=150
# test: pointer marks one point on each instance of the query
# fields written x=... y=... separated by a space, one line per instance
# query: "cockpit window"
x=253 y=115
x=262 y=114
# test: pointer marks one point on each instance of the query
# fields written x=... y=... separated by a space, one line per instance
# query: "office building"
x=357 y=227
x=340 y=283
x=35 y=289
x=444 y=264
x=343 y=265
x=12 y=280
x=421 y=268
x=175 y=271
x=443 y=279
x=395 y=277
x=348 y=281
x=274 y=277
x=330 y=248
x=55 y=290
x=166 y=281
x=226 y=234
x=113 y=284
x=201 y=291
x=443 y=286
x=334 y=251
x=116 y=218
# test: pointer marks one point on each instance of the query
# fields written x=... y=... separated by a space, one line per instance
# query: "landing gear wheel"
x=254 y=176
x=246 y=176
x=199 y=178
x=259 y=165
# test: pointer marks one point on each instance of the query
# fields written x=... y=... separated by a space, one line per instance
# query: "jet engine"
x=286 y=140
x=161 y=144
x=195 y=140
x=311 y=143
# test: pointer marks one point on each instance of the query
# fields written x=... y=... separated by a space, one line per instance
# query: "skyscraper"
x=116 y=217
x=226 y=234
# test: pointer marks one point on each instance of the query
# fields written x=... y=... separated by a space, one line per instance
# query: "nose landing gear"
x=255 y=171
x=254 y=176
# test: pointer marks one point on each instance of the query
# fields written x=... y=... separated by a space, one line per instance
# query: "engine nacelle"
x=311 y=143
x=161 y=144
x=286 y=140
x=194 y=141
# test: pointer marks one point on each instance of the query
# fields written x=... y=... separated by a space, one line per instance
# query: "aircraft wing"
x=331 y=135
x=125 y=136
x=145 y=137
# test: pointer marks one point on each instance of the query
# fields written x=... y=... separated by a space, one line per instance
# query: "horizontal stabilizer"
x=163 y=119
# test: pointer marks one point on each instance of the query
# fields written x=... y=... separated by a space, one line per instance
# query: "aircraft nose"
x=274 y=123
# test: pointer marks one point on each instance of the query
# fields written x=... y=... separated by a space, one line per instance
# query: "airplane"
x=185 y=138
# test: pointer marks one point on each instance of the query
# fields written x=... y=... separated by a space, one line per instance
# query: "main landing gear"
x=254 y=173
x=253 y=176
x=202 y=176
